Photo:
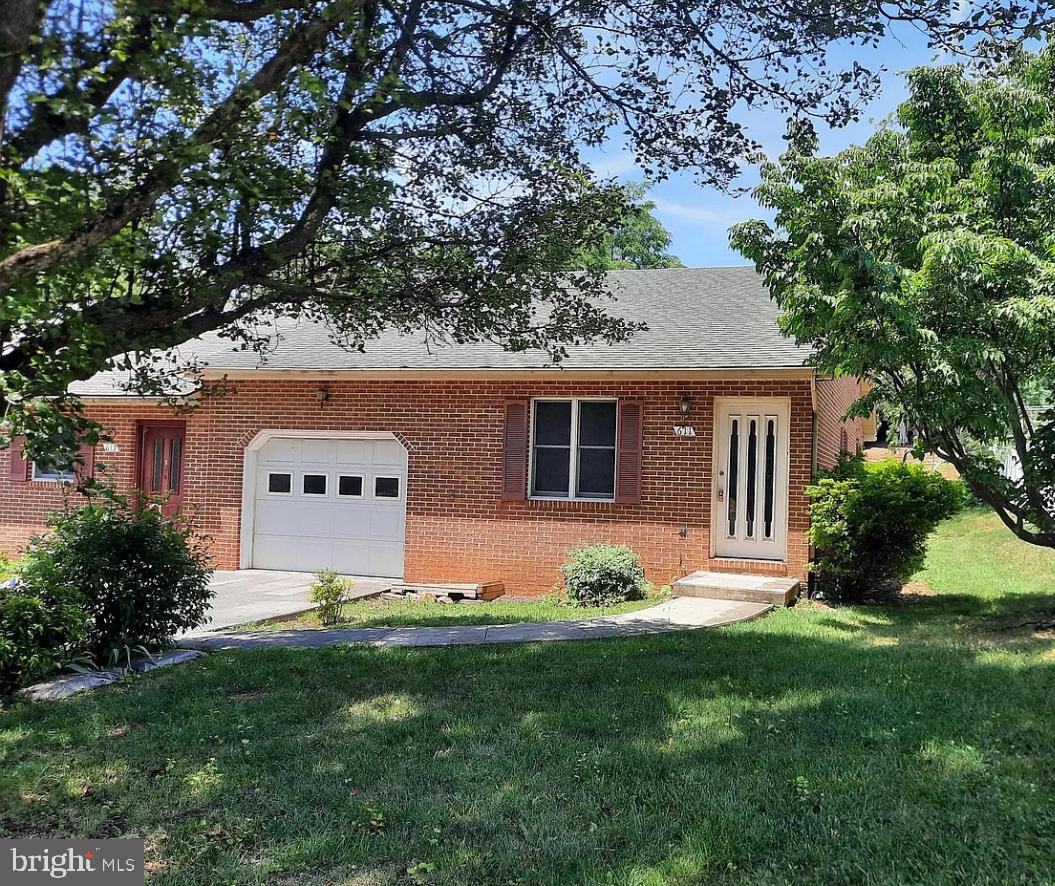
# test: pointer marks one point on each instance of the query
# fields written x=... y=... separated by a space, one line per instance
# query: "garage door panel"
x=386 y=525
x=385 y=559
x=316 y=452
x=355 y=535
x=296 y=554
x=314 y=520
x=273 y=516
x=280 y=449
x=388 y=452
x=354 y=452
x=353 y=558
x=352 y=523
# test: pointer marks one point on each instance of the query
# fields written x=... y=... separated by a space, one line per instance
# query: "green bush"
x=602 y=575
x=869 y=525
x=143 y=577
x=331 y=593
x=39 y=632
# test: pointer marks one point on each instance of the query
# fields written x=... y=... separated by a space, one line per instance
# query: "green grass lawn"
x=912 y=745
x=377 y=613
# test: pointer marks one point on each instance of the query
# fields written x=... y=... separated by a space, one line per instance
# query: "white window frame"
x=362 y=485
x=55 y=476
x=373 y=487
x=314 y=495
x=292 y=481
x=573 y=470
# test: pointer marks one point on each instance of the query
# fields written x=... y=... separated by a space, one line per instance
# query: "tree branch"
x=21 y=19
x=41 y=257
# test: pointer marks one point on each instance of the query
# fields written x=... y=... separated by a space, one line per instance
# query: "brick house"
x=470 y=464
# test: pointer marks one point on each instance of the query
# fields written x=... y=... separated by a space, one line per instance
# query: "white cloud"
x=693 y=213
x=613 y=167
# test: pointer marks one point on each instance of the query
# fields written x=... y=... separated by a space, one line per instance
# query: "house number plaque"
x=684 y=431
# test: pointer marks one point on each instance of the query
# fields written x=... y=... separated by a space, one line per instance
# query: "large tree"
x=171 y=167
x=639 y=240
x=924 y=261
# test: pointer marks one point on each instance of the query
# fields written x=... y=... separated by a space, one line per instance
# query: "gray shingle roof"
x=697 y=318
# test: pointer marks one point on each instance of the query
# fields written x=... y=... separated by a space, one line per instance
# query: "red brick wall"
x=834 y=436
x=458 y=529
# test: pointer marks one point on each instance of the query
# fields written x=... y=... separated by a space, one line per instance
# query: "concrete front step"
x=775 y=590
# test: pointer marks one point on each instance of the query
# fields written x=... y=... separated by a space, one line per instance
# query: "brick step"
x=772 y=589
x=454 y=591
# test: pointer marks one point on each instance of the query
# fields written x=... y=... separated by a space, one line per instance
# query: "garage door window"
x=280 y=484
x=314 y=484
x=386 y=487
x=350 y=486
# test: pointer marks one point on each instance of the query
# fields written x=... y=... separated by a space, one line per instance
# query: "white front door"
x=750 y=495
x=330 y=503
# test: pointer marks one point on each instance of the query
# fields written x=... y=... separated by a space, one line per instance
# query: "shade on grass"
x=910 y=744
x=383 y=613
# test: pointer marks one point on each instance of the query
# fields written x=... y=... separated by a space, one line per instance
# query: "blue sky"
x=699 y=218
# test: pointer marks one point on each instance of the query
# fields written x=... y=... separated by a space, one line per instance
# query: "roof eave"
x=539 y=374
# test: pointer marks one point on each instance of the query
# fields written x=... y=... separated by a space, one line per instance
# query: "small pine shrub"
x=331 y=593
x=603 y=575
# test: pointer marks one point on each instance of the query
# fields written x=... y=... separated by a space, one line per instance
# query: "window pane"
x=175 y=456
x=596 y=473
x=770 y=477
x=734 y=474
x=53 y=473
x=597 y=424
x=552 y=471
x=279 y=482
x=314 y=484
x=752 y=444
x=159 y=458
x=386 y=487
x=350 y=486
x=552 y=423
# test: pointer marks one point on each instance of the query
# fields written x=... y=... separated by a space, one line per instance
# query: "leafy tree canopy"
x=171 y=167
x=924 y=260
x=638 y=240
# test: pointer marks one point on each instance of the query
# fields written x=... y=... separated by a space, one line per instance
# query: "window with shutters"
x=573 y=449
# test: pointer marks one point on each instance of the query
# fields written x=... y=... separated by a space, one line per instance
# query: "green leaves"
x=922 y=260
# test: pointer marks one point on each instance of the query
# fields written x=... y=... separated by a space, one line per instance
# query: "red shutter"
x=628 y=453
x=19 y=472
x=86 y=470
x=515 y=451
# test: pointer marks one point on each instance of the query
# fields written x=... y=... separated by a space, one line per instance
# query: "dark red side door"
x=161 y=456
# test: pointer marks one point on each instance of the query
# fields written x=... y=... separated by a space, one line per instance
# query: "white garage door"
x=330 y=504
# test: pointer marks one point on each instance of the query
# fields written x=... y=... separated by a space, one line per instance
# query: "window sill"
x=543 y=500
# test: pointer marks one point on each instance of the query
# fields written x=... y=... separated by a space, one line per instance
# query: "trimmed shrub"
x=143 y=577
x=39 y=632
x=331 y=593
x=869 y=525
x=602 y=575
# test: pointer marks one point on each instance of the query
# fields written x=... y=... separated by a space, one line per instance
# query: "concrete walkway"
x=679 y=614
x=247 y=595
